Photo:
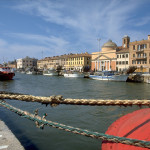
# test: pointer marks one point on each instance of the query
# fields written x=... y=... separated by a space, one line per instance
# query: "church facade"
x=109 y=58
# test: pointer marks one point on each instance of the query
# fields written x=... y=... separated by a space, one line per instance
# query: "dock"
x=8 y=141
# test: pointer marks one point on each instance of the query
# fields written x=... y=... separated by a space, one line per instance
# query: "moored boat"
x=50 y=72
x=6 y=73
x=74 y=75
x=109 y=76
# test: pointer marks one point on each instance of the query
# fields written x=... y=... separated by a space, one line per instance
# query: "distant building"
x=122 y=62
x=67 y=62
x=111 y=57
x=105 y=60
x=49 y=63
x=140 y=55
x=12 y=64
x=27 y=62
x=122 y=55
x=78 y=61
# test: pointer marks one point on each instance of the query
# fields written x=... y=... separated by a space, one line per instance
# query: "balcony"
x=141 y=58
x=140 y=50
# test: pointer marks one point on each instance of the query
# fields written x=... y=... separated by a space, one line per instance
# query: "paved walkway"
x=7 y=139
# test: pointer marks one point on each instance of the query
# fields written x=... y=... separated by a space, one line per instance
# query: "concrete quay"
x=139 y=78
x=8 y=141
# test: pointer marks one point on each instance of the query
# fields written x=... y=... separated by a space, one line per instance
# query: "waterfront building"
x=12 y=64
x=140 y=55
x=105 y=60
x=78 y=62
x=111 y=57
x=27 y=62
x=122 y=62
x=122 y=55
x=71 y=61
x=49 y=63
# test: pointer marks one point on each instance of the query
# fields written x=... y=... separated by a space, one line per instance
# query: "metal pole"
x=99 y=52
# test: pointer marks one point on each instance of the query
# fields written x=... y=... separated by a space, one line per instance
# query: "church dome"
x=109 y=44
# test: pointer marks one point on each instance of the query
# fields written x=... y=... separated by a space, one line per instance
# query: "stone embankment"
x=7 y=139
x=139 y=78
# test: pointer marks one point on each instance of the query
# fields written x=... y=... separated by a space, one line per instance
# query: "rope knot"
x=55 y=100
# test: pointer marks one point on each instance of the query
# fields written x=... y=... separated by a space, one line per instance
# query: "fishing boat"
x=148 y=81
x=50 y=72
x=29 y=72
x=6 y=73
x=109 y=76
x=74 y=75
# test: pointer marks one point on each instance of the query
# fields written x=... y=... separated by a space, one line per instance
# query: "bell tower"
x=125 y=41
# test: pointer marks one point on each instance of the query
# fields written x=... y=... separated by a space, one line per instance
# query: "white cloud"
x=51 y=46
x=40 y=39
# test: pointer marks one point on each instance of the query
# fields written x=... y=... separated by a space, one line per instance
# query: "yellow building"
x=68 y=62
x=78 y=61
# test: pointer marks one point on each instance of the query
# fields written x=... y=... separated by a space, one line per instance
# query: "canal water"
x=93 y=118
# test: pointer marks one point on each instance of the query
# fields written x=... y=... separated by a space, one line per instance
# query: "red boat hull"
x=135 y=125
x=6 y=76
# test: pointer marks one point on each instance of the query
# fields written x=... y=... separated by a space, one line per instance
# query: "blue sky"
x=56 y=27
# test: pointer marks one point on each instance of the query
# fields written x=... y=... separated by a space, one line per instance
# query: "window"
x=144 y=55
x=133 y=62
x=133 y=55
x=126 y=62
x=126 y=55
x=133 y=47
x=144 y=62
x=118 y=56
x=123 y=62
x=139 y=55
x=117 y=62
x=138 y=62
x=142 y=46
x=123 y=56
x=145 y=46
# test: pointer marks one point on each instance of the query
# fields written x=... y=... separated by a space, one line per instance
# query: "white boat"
x=50 y=73
x=148 y=81
x=109 y=76
x=29 y=72
x=74 y=75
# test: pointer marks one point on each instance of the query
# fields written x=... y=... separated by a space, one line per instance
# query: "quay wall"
x=8 y=141
x=139 y=78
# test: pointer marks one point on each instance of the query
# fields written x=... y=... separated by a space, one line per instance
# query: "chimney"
x=148 y=37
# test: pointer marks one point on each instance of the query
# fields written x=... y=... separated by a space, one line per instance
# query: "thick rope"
x=40 y=122
x=55 y=100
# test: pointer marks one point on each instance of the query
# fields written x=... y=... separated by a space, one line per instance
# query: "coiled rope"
x=55 y=100
x=41 y=121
